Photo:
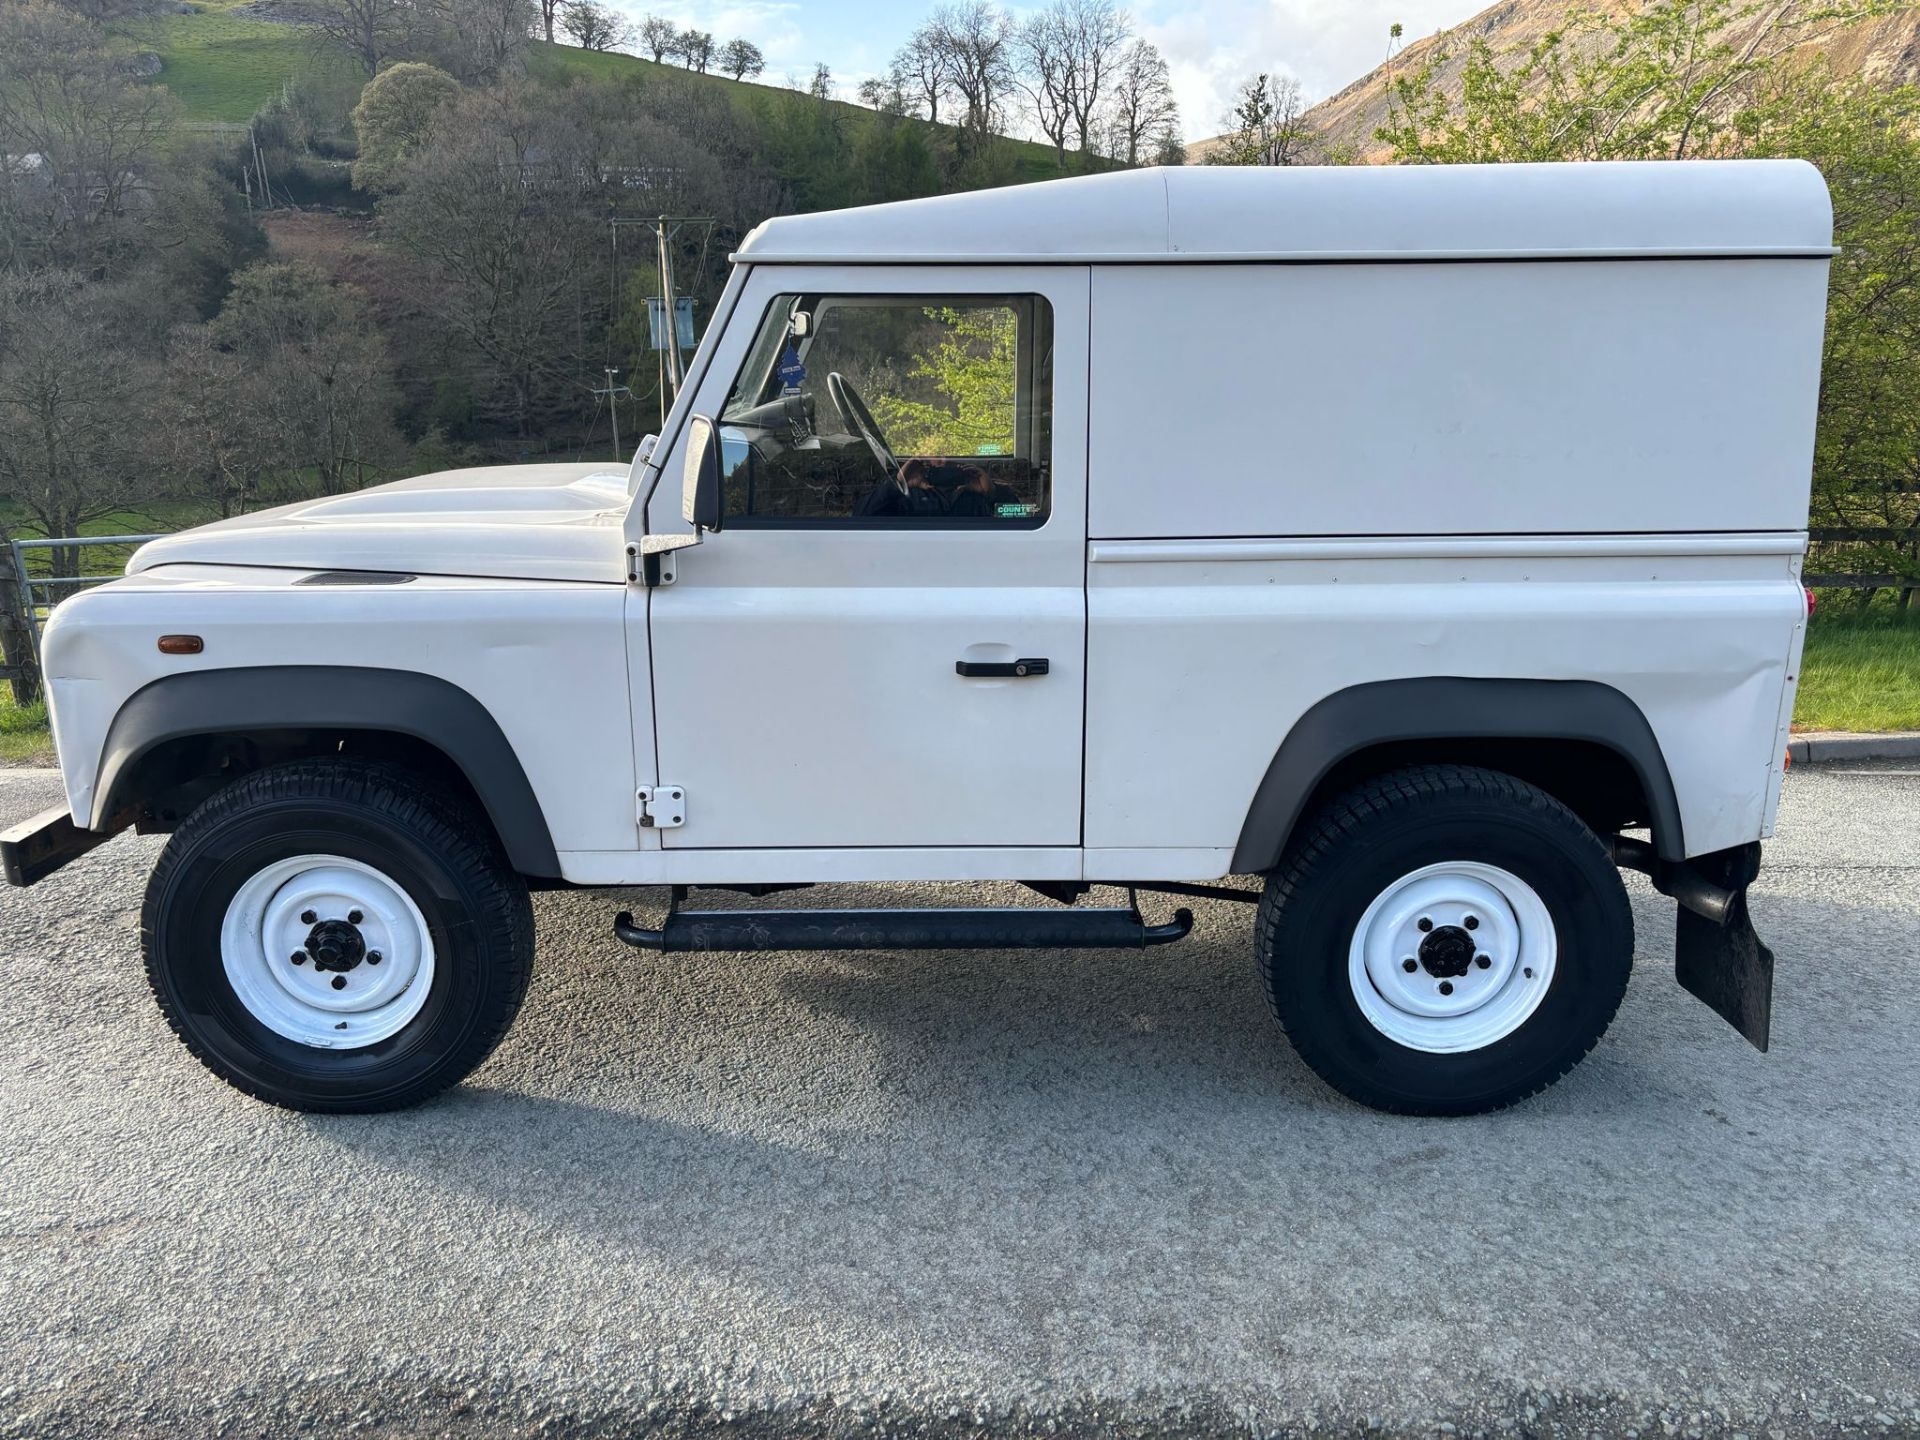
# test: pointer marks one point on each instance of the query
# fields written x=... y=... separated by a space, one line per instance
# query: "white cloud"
x=1324 y=44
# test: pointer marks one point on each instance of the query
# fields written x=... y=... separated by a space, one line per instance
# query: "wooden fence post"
x=16 y=640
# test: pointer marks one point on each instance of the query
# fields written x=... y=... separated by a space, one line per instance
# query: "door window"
x=915 y=410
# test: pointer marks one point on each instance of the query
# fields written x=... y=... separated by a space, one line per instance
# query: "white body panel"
x=547 y=660
x=1583 y=456
x=1347 y=212
x=1526 y=398
x=813 y=700
x=1696 y=633
x=520 y=522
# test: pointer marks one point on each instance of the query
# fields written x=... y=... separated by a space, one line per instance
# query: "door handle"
x=999 y=669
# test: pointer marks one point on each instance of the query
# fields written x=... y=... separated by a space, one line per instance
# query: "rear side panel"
x=1203 y=655
x=1544 y=397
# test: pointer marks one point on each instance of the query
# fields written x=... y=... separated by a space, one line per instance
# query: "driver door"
x=847 y=663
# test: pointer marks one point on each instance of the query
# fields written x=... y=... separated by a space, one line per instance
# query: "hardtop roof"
x=1625 y=209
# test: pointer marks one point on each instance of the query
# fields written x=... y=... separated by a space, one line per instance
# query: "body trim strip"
x=1454 y=547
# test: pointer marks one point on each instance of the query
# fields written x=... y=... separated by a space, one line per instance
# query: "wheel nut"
x=1425 y=923
x=1472 y=922
x=307 y=917
x=1528 y=972
x=1409 y=965
x=373 y=957
x=1485 y=962
x=339 y=982
x=299 y=957
x=354 y=917
x=1446 y=987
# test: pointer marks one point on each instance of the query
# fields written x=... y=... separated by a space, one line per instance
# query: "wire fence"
x=36 y=584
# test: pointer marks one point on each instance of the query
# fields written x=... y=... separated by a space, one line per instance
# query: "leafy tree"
x=970 y=369
x=394 y=113
x=594 y=26
x=659 y=37
x=696 y=48
x=1684 y=78
x=741 y=59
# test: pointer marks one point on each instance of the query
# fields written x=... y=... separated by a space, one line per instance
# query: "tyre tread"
x=393 y=795
x=1316 y=844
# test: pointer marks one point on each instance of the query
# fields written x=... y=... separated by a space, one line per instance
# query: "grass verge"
x=1862 y=669
x=23 y=731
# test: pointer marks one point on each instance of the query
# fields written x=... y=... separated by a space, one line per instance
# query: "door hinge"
x=660 y=807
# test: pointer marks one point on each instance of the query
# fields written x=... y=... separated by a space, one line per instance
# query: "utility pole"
x=666 y=229
x=613 y=393
x=662 y=236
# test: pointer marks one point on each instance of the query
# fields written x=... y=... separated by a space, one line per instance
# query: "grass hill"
x=224 y=63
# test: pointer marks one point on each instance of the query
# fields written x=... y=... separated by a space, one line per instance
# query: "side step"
x=687 y=931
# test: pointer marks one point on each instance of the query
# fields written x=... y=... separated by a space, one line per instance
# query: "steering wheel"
x=853 y=411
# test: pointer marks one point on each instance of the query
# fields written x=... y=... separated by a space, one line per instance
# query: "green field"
x=1862 y=669
x=223 y=67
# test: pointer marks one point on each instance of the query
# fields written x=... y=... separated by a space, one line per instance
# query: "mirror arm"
x=643 y=559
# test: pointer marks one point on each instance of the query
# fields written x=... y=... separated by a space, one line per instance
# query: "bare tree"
x=212 y=432
x=1068 y=54
x=659 y=37
x=1266 y=127
x=821 y=86
x=324 y=384
x=67 y=101
x=1144 y=110
x=924 y=68
x=71 y=445
x=594 y=26
x=741 y=59
x=977 y=41
x=1095 y=35
x=369 y=31
x=476 y=40
x=1045 y=72
x=696 y=48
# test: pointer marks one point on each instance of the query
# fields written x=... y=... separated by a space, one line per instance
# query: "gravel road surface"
x=944 y=1194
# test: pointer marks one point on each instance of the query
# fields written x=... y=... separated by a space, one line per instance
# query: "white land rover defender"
x=1400 y=536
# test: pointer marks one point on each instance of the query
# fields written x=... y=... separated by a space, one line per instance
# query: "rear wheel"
x=330 y=936
x=1444 y=941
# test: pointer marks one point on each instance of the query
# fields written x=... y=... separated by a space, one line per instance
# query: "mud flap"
x=1728 y=966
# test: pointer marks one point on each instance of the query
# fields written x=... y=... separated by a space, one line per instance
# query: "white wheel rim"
x=1436 y=1007
x=329 y=998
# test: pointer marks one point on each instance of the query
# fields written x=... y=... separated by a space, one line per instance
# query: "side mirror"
x=700 y=482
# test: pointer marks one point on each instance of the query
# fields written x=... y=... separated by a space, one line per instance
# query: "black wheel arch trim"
x=1451 y=708
x=262 y=699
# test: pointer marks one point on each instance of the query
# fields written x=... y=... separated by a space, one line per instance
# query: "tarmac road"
x=936 y=1194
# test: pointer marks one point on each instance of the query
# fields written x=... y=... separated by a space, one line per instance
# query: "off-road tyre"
x=438 y=851
x=1355 y=850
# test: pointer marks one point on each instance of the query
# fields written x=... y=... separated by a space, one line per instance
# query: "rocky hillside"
x=1887 y=49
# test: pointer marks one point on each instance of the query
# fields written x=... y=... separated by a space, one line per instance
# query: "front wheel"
x=1445 y=941
x=330 y=936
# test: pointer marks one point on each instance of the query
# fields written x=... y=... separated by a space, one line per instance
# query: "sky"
x=1210 y=46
